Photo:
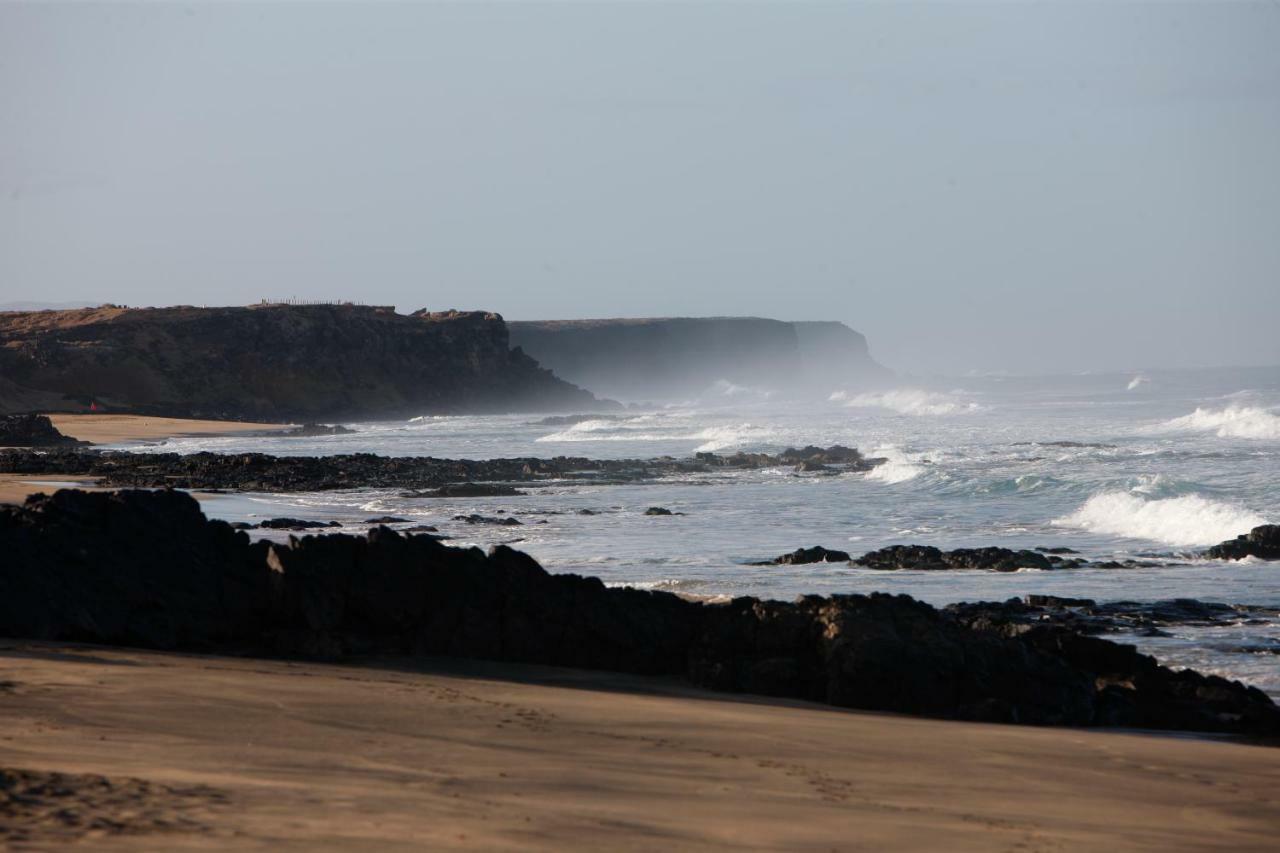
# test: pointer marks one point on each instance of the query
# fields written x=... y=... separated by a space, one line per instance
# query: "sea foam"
x=906 y=401
x=1183 y=521
x=1232 y=422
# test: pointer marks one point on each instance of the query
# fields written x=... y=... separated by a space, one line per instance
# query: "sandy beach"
x=116 y=429
x=222 y=753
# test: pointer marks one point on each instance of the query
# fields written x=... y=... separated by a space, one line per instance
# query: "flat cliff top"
x=631 y=321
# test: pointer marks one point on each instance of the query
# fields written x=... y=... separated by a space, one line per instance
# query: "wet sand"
x=219 y=753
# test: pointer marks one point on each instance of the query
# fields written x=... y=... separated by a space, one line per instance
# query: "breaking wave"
x=1232 y=422
x=1137 y=382
x=906 y=401
x=1182 y=521
x=900 y=468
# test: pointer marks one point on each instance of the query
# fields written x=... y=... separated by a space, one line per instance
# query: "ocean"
x=1151 y=465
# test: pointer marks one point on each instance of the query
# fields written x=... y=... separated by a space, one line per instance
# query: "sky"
x=1017 y=186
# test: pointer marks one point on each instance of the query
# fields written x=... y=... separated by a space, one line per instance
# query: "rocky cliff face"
x=272 y=363
x=675 y=358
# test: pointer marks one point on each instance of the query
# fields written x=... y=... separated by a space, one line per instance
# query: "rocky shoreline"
x=447 y=477
x=146 y=568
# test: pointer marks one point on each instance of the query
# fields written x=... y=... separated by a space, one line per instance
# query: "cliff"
x=272 y=363
x=675 y=358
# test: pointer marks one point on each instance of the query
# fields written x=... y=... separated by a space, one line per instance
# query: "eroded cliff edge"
x=669 y=358
x=272 y=363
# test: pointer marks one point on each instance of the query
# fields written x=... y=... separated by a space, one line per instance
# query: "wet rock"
x=475 y=518
x=587 y=512
x=927 y=557
x=419 y=476
x=295 y=524
x=1057 y=550
x=810 y=466
x=1056 y=601
x=32 y=431
x=802 y=556
x=386 y=519
x=312 y=430
x=570 y=420
x=471 y=490
x=1262 y=542
x=660 y=510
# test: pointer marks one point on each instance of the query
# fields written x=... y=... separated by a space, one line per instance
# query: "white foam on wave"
x=900 y=468
x=1232 y=422
x=906 y=401
x=713 y=438
x=1137 y=382
x=1184 y=521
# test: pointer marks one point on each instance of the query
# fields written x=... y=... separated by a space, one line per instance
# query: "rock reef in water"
x=272 y=363
x=449 y=478
x=1262 y=542
x=147 y=569
x=927 y=557
x=677 y=357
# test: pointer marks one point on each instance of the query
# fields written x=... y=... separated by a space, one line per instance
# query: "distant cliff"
x=272 y=363
x=666 y=358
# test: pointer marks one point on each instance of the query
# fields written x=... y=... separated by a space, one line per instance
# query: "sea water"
x=1151 y=465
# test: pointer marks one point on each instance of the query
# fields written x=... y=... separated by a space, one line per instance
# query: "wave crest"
x=1181 y=521
x=1234 y=421
x=906 y=401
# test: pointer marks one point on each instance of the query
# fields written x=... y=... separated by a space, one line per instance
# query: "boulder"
x=801 y=556
x=32 y=431
x=1262 y=542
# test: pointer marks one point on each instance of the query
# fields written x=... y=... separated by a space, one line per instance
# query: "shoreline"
x=251 y=753
x=130 y=429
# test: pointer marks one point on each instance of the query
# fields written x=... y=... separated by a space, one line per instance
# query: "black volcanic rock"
x=309 y=430
x=300 y=363
x=475 y=518
x=32 y=431
x=802 y=556
x=426 y=476
x=147 y=569
x=929 y=558
x=294 y=524
x=1262 y=542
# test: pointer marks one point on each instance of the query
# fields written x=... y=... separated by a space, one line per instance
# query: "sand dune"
x=218 y=753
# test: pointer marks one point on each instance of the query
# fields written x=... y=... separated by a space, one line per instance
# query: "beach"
x=429 y=754
x=118 y=429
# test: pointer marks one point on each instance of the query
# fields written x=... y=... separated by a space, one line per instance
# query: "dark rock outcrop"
x=32 y=431
x=475 y=518
x=428 y=477
x=1262 y=542
x=676 y=357
x=803 y=556
x=274 y=363
x=147 y=569
x=313 y=430
x=927 y=557
x=294 y=524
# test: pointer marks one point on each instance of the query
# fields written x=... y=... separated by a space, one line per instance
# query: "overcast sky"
x=1021 y=186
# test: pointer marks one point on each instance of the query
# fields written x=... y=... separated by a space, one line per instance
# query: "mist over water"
x=1155 y=471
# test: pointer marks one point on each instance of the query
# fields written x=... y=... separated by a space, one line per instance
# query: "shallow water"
x=1171 y=462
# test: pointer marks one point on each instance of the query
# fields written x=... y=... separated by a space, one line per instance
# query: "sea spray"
x=1181 y=521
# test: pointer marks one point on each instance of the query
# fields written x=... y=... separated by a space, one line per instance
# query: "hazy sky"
x=1024 y=186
